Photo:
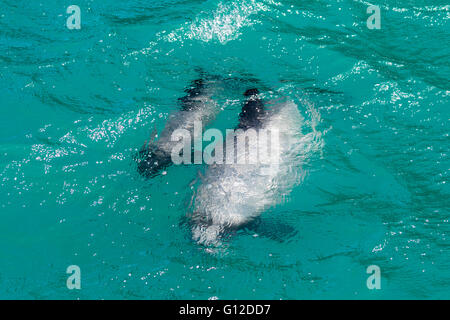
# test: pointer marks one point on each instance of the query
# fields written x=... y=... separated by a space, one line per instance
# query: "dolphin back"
x=196 y=105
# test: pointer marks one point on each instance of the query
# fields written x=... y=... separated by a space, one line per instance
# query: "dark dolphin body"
x=196 y=105
x=152 y=160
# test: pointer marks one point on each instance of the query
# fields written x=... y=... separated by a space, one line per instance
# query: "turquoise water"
x=77 y=104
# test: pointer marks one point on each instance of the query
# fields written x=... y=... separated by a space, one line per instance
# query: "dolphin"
x=196 y=106
x=232 y=194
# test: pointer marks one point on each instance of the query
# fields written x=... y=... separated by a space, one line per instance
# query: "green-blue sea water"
x=76 y=105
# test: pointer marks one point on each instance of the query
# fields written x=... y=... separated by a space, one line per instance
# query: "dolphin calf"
x=233 y=194
x=196 y=106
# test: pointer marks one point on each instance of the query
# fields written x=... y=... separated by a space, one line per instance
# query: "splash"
x=232 y=195
x=223 y=25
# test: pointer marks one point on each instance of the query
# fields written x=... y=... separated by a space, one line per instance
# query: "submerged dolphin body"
x=231 y=195
x=196 y=106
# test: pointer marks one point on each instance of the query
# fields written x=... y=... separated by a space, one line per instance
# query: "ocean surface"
x=76 y=106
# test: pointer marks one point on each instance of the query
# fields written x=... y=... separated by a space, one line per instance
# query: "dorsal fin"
x=252 y=112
